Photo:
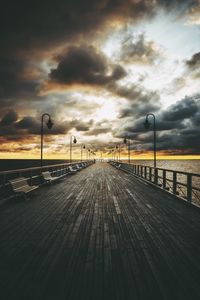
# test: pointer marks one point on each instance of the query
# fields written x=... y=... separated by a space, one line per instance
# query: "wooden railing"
x=182 y=184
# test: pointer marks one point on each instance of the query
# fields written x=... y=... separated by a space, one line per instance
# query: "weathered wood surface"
x=99 y=234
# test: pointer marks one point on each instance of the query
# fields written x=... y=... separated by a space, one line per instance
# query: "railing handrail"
x=161 y=169
x=36 y=168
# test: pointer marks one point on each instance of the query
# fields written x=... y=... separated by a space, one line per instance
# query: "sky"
x=98 y=67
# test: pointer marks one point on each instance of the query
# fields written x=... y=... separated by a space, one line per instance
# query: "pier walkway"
x=99 y=234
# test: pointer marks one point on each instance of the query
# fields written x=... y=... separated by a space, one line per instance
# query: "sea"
x=183 y=165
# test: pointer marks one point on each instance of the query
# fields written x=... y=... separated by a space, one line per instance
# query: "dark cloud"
x=13 y=81
x=85 y=65
x=80 y=125
x=194 y=61
x=181 y=110
x=24 y=24
x=177 y=128
x=13 y=128
x=9 y=118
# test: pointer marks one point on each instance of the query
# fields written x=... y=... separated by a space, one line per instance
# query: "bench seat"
x=72 y=170
x=20 y=185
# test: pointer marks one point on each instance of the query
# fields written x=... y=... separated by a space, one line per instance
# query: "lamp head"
x=116 y=147
x=83 y=146
x=125 y=140
x=49 y=124
x=75 y=140
x=147 y=124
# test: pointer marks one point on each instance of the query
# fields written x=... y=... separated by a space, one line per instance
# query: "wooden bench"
x=20 y=185
x=49 y=178
x=118 y=166
x=79 y=167
x=84 y=165
x=72 y=170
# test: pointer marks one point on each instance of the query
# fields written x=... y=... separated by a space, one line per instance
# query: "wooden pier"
x=100 y=234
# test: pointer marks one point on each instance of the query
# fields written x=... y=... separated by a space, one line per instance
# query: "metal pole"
x=147 y=125
x=49 y=125
x=70 y=150
x=41 y=148
x=81 y=153
x=129 y=152
x=154 y=141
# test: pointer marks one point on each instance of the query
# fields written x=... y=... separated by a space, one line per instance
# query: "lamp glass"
x=147 y=124
x=49 y=124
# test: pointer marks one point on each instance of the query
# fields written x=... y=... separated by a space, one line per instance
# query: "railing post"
x=150 y=173
x=137 y=169
x=31 y=178
x=155 y=175
x=174 y=182
x=164 y=179
x=141 y=173
x=145 y=172
x=189 y=188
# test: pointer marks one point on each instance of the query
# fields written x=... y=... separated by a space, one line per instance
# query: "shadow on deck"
x=100 y=234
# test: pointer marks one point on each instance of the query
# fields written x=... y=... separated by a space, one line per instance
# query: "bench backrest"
x=72 y=169
x=47 y=175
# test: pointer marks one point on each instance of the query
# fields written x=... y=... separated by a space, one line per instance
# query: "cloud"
x=139 y=100
x=136 y=49
x=194 y=14
x=193 y=66
x=85 y=65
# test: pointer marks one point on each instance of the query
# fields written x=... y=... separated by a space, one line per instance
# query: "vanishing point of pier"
x=99 y=234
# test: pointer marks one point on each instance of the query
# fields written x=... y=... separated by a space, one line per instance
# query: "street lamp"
x=127 y=141
x=147 y=125
x=74 y=141
x=82 y=147
x=49 y=124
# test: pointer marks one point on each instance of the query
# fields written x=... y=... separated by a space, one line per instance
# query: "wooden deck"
x=99 y=234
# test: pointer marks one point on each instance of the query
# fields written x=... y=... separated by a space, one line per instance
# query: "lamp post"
x=147 y=125
x=127 y=141
x=119 y=150
x=49 y=124
x=89 y=154
x=82 y=147
x=74 y=141
x=113 y=154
